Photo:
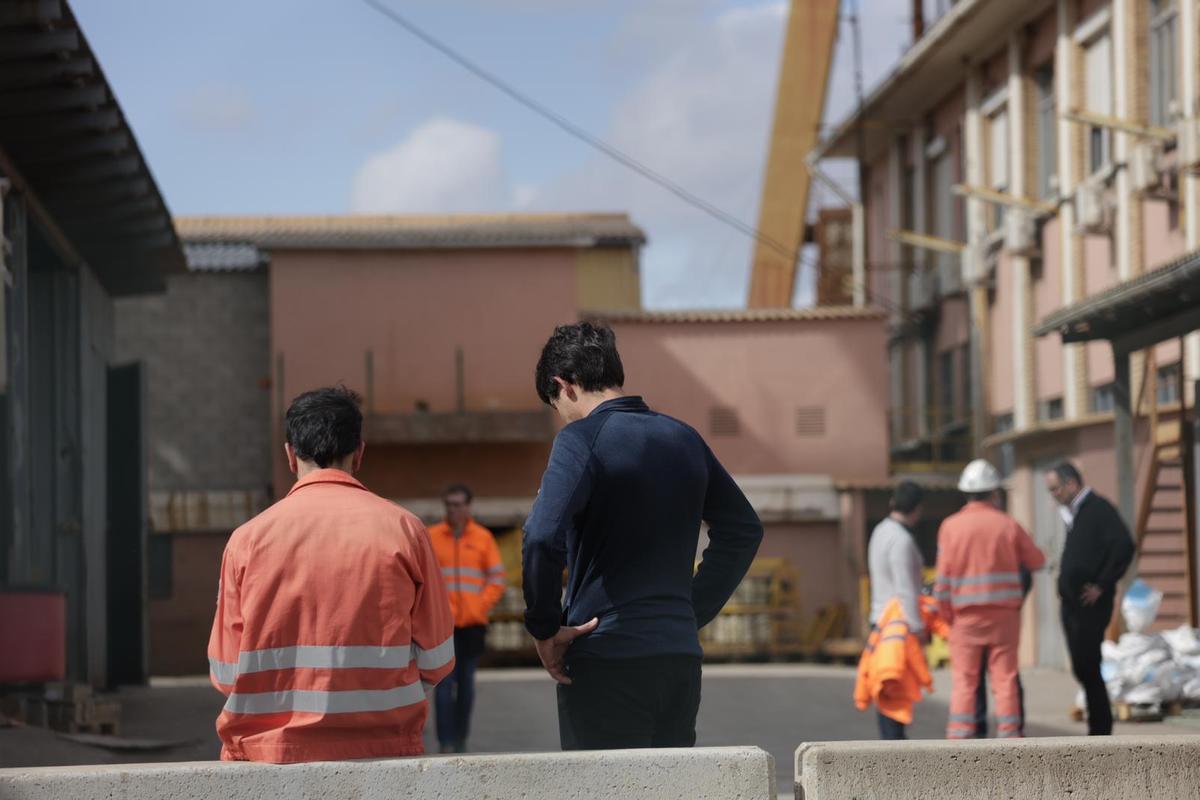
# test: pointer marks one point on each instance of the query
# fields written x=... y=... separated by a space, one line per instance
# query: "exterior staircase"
x=1165 y=517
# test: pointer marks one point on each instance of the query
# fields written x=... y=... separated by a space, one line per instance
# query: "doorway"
x=1050 y=534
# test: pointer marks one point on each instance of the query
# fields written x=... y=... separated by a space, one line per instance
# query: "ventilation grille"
x=723 y=421
x=810 y=421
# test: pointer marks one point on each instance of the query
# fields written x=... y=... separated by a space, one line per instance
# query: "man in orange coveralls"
x=981 y=551
x=474 y=574
x=331 y=613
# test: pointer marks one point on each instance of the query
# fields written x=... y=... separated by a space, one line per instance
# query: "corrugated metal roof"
x=813 y=314
x=1151 y=296
x=223 y=256
x=64 y=139
x=417 y=231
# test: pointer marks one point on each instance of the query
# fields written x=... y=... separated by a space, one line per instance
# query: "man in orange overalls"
x=981 y=552
x=331 y=615
x=474 y=574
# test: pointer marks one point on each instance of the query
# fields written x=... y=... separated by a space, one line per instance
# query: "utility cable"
x=596 y=143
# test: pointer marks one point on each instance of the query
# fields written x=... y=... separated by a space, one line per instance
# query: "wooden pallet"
x=1138 y=712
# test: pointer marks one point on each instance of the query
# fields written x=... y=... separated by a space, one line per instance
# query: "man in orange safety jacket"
x=474 y=574
x=981 y=552
x=331 y=614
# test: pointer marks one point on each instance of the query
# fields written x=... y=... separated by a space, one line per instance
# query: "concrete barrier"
x=1121 y=768
x=718 y=773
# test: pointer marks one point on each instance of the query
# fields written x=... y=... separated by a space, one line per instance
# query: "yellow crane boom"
x=800 y=101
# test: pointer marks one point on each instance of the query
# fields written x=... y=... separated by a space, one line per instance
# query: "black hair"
x=906 y=497
x=976 y=497
x=1066 y=472
x=325 y=425
x=583 y=354
x=459 y=488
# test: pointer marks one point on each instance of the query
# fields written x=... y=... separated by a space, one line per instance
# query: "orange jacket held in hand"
x=331 y=620
x=471 y=570
x=893 y=671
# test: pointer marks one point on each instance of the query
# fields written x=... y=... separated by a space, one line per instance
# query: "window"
x=1168 y=384
x=1098 y=99
x=1047 y=132
x=947 y=383
x=941 y=204
x=1050 y=409
x=997 y=128
x=1102 y=399
x=1163 y=61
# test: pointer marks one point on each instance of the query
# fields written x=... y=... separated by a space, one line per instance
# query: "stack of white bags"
x=1150 y=668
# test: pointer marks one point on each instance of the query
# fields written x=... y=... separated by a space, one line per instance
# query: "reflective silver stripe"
x=435 y=657
x=987 y=597
x=942 y=595
x=1013 y=734
x=315 y=702
x=896 y=637
x=462 y=572
x=224 y=672
x=975 y=580
x=969 y=719
x=1014 y=720
x=469 y=588
x=496 y=570
x=325 y=657
x=960 y=734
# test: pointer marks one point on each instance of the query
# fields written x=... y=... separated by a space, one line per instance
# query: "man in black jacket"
x=620 y=507
x=1098 y=551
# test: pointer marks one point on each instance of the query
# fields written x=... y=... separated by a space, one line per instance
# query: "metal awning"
x=65 y=141
x=1153 y=307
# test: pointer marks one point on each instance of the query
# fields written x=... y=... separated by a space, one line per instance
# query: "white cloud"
x=701 y=118
x=442 y=166
x=218 y=108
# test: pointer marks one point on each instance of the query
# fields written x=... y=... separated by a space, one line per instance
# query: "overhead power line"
x=611 y=151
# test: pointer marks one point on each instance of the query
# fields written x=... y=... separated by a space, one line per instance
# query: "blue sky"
x=327 y=107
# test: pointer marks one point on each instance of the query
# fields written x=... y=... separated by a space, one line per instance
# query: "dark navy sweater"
x=620 y=506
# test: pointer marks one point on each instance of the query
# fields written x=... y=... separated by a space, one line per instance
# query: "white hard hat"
x=979 y=476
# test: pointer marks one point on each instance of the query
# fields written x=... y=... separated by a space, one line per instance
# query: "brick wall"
x=205 y=344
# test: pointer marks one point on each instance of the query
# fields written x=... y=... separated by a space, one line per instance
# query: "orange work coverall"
x=471 y=569
x=331 y=621
x=981 y=551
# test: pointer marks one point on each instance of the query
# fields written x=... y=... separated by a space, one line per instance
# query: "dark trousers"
x=889 y=729
x=1084 y=631
x=981 y=701
x=617 y=703
x=455 y=695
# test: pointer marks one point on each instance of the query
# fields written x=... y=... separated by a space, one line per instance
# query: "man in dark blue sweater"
x=621 y=506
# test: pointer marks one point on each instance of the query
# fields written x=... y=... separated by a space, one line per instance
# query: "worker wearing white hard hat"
x=981 y=552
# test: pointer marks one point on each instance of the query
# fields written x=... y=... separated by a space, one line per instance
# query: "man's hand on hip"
x=1091 y=594
x=552 y=651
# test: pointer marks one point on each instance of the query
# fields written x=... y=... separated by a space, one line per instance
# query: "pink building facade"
x=1021 y=158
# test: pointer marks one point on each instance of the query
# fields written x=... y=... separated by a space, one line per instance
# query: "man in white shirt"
x=896 y=568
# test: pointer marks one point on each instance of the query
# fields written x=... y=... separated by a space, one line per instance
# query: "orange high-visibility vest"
x=892 y=670
x=981 y=551
x=471 y=569
x=331 y=622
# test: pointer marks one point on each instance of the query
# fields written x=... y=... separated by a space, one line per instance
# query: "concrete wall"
x=1116 y=768
x=727 y=773
x=414 y=310
x=204 y=344
x=766 y=372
